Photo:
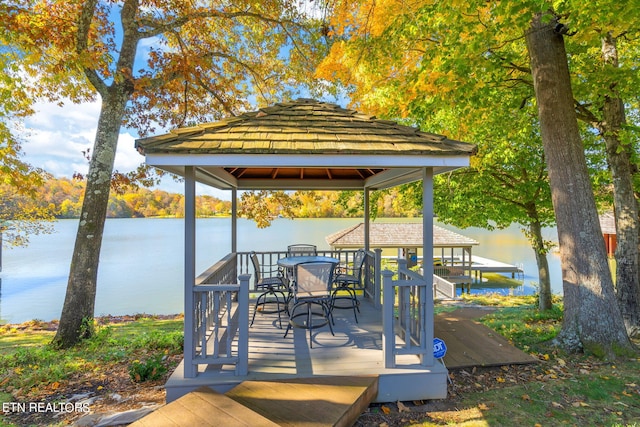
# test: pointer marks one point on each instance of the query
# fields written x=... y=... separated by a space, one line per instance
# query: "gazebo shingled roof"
x=290 y=138
x=396 y=235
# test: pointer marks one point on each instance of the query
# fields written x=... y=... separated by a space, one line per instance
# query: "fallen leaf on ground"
x=402 y=407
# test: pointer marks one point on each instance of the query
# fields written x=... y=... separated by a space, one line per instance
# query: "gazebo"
x=311 y=145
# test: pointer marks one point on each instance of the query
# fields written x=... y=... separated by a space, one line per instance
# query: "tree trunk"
x=592 y=318
x=624 y=201
x=79 y=303
x=78 y=309
x=540 y=249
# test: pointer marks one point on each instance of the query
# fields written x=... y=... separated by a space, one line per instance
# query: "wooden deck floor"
x=355 y=350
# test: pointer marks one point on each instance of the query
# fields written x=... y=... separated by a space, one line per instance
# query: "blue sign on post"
x=439 y=348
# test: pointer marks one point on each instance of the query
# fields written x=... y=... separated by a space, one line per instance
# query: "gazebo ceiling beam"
x=300 y=184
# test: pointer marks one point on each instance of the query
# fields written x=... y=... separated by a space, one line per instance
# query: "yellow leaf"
x=386 y=410
x=55 y=385
x=483 y=407
x=526 y=397
x=626 y=393
x=500 y=379
x=561 y=362
x=545 y=356
x=556 y=405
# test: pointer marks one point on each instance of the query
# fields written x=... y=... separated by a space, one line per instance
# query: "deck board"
x=321 y=401
x=204 y=407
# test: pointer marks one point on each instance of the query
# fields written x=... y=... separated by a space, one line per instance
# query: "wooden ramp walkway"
x=319 y=401
x=469 y=343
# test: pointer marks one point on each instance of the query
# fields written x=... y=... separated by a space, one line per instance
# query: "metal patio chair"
x=302 y=250
x=310 y=306
x=274 y=290
x=347 y=282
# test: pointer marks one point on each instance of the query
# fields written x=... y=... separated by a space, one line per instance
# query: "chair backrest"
x=314 y=279
x=256 y=267
x=358 y=262
x=302 y=250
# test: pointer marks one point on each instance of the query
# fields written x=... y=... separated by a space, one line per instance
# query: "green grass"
x=29 y=365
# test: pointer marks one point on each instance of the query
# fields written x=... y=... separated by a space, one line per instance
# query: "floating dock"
x=481 y=265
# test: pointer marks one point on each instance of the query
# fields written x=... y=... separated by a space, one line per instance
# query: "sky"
x=55 y=138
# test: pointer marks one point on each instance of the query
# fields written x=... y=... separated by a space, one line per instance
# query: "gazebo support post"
x=234 y=220
x=366 y=220
x=427 y=262
x=190 y=370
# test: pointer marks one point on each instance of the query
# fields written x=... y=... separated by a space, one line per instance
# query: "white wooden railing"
x=443 y=287
x=405 y=315
x=220 y=316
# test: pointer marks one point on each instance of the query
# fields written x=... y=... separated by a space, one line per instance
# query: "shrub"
x=151 y=369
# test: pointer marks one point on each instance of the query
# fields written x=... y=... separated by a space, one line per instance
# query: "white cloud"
x=56 y=137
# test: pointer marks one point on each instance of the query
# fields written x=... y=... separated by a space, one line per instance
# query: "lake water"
x=141 y=264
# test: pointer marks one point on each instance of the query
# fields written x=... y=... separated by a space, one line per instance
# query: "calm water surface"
x=141 y=263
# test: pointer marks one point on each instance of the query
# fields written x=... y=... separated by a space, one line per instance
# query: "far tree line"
x=63 y=197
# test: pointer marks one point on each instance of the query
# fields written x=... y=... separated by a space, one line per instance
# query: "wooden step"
x=203 y=407
x=316 y=401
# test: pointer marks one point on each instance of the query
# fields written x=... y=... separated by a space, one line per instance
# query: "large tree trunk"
x=624 y=201
x=592 y=319
x=78 y=309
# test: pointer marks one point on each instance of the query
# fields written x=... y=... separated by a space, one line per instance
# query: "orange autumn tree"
x=152 y=65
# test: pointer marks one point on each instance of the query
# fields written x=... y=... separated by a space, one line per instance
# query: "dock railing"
x=404 y=314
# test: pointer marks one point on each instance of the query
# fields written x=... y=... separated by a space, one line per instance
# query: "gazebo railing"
x=217 y=329
x=408 y=296
x=220 y=317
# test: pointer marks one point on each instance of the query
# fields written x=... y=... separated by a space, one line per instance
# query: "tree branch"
x=157 y=28
x=82 y=43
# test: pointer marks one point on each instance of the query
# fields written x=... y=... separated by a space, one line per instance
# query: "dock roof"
x=396 y=235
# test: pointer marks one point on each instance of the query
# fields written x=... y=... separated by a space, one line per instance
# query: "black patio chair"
x=347 y=283
x=274 y=290
x=310 y=306
x=302 y=250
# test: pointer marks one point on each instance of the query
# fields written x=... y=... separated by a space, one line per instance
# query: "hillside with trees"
x=64 y=198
